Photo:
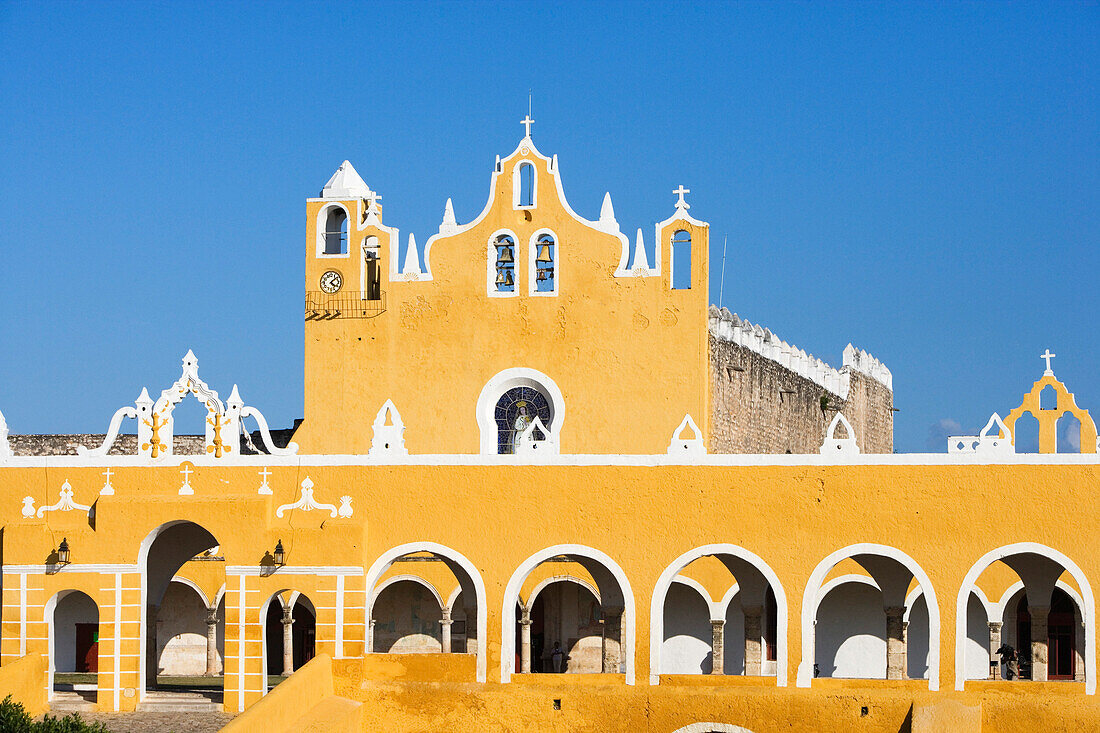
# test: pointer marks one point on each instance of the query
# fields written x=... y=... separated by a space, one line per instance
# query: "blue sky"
x=922 y=180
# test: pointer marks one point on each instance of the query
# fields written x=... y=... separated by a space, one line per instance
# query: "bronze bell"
x=508 y=278
x=500 y=277
x=544 y=253
x=506 y=255
x=543 y=275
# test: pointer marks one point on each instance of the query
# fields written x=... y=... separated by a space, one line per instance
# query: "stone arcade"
x=612 y=503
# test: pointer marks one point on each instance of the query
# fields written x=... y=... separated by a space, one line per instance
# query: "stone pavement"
x=188 y=722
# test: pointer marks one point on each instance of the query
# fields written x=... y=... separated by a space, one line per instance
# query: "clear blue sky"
x=921 y=180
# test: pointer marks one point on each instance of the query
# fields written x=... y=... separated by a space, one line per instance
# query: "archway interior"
x=185 y=648
x=172 y=548
x=572 y=607
x=720 y=602
x=423 y=603
x=290 y=634
x=863 y=627
x=1036 y=630
x=74 y=652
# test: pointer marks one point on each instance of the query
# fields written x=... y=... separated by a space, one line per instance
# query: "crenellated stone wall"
x=770 y=397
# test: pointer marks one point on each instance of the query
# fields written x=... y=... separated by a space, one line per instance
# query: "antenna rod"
x=529 y=102
x=722 y=281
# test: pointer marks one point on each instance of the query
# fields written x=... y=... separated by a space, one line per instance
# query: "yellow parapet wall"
x=25 y=680
x=304 y=702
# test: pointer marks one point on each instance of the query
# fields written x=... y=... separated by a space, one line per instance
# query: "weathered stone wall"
x=182 y=445
x=760 y=406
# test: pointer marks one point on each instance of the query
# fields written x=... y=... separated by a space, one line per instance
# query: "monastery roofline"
x=712 y=460
x=727 y=326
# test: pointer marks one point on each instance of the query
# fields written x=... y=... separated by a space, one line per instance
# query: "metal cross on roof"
x=1048 y=356
x=681 y=204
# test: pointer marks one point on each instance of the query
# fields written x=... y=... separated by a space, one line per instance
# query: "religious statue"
x=523 y=421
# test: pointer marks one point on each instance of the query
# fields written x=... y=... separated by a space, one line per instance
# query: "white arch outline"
x=657 y=616
x=1088 y=607
x=319 y=224
x=504 y=380
x=389 y=556
x=532 y=274
x=560 y=579
x=414 y=579
x=712 y=605
x=453 y=597
x=517 y=185
x=727 y=599
x=811 y=597
x=1018 y=586
x=491 y=269
x=51 y=633
x=515 y=585
x=991 y=608
x=192 y=585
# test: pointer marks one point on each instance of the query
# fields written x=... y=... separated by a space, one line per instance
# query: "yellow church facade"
x=538 y=485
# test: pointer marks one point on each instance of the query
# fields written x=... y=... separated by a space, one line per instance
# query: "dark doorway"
x=87 y=648
x=1061 y=644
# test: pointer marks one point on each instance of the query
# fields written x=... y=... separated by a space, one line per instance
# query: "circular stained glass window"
x=515 y=411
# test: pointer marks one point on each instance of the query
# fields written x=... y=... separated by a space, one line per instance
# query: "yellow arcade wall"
x=644 y=516
x=629 y=354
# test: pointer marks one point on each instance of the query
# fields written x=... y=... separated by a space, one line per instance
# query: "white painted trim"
x=118 y=642
x=559 y=579
x=387 y=559
x=515 y=584
x=256 y=570
x=319 y=232
x=712 y=728
x=841 y=580
x=491 y=265
x=339 y=615
x=453 y=597
x=413 y=579
x=105 y=568
x=241 y=622
x=657 y=605
x=811 y=597
x=51 y=633
x=219 y=596
x=991 y=611
x=500 y=383
x=532 y=266
x=23 y=615
x=712 y=605
x=727 y=599
x=1087 y=606
x=193 y=586
x=517 y=185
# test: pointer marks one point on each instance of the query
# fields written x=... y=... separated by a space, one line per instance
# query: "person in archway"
x=1011 y=660
x=557 y=656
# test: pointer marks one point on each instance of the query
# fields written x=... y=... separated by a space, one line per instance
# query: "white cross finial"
x=681 y=204
x=107 y=488
x=527 y=122
x=265 y=487
x=1048 y=356
x=186 y=471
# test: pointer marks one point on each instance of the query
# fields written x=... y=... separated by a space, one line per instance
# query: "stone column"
x=1039 y=635
x=895 y=643
x=211 y=642
x=754 y=617
x=612 y=631
x=445 y=635
x=717 y=646
x=370 y=637
x=994 y=645
x=288 y=640
x=471 y=629
x=525 y=641
x=1079 y=655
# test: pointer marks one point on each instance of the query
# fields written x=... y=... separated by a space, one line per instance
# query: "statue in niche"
x=523 y=421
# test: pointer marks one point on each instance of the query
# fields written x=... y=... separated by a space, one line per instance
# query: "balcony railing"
x=321 y=306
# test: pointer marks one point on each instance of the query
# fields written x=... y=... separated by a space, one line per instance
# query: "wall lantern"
x=279 y=554
x=63 y=552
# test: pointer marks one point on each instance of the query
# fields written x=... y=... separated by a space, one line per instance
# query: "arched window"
x=1048 y=398
x=336 y=231
x=523 y=185
x=505 y=251
x=680 y=259
x=544 y=274
x=515 y=411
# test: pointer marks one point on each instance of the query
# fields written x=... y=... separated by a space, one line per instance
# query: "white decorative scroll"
x=692 y=446
x=112 y=431
x=307 y=503
x=528 y=445
x=28 y=506
x=64 y=504
x=994 y=439
x=834 y=445
x=389 y=432
x=265 y=434
x=5 y=448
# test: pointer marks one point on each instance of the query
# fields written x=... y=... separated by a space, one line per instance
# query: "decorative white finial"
x=412 y=263
x=527 y=122
x=107 y=489
x=1048 y=356
x=641 y=259
x=265 y=487
x=448 y=216
x=186 y=468
x=681 y=204
x=5 y=449
x=607 y=211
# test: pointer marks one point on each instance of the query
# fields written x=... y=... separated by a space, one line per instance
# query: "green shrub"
x=14 y=719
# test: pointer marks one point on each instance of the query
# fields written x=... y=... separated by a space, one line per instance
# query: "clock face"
x=331 y=281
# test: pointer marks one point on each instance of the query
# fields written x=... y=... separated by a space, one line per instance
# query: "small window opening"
x=526 y=185
x=372 y=276
x=545 y=254
x=336 y=232
x=681 y=260
x=1048 y=399
x=1068 y=430
x=506 y=264
x=771 y=624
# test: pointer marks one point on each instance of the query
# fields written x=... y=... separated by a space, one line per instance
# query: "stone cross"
x=186 y=471
x=265 y=487
x=527 y=122
x=107 y=488
x=1048 y=356
x=681 y=204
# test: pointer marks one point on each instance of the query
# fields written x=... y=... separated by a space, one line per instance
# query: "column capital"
x=895 y=610
x=752 y=610
x=717 y=623
x=995 y=626
x=612 y=611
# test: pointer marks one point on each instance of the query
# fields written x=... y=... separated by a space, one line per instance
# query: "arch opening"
x=290 y=634
x=73 y=621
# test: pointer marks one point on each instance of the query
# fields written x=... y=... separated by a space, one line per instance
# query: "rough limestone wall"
x=759 y=406
x=126 y=445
